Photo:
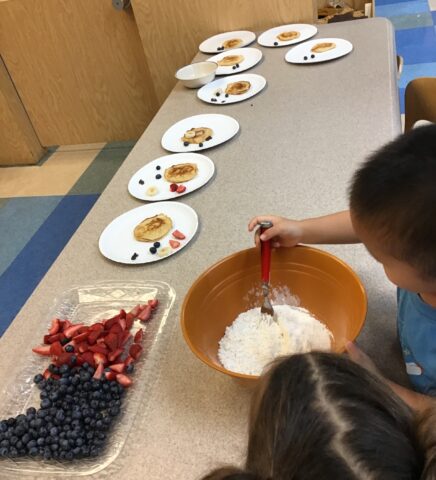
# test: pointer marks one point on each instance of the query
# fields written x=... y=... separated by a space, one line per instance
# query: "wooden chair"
x=420 y=101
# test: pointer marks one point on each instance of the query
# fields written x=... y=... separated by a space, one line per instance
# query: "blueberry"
x=64 y=341
x=157 y=167
x=73 y=359
x=312 y=56
x=4 y=443
x=33 y=452
x=60 y=415
x=25 y=438
x=13 y=452
x=85 y=366
x=47 y=455
x=158 y=176
x=3 y=452
x=54 y=446
x=213 y=100
x=276 y=43
x=305 y=58
x=153 y=250
x=141 y=182
x=38 y=378
x=186 y=144
x=129 y=368
x=31 y=444
x=53 y=368
x=3 y=426
x=40 y=442
x=11 y=421
x=200 y=144
x=134 y=256
x=226 y=95
x=234 y=67
x=45 y=403
x=69 y=348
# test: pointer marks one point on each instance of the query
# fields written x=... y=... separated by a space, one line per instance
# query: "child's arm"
x=330 y=229
x=416 y=401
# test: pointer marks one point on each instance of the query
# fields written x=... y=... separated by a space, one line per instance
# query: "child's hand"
x=283 y=233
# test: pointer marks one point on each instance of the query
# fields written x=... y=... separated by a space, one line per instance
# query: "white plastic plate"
x=269 y=38
x=303 y=53
x=215 y=43
x=252 y=56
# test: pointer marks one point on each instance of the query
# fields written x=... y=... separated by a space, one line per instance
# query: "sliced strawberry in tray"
x=135 y=311
x=139 y=335
x=92 y=337
x=47 y=374
x=64 y=358
x=83 y=347
x=56 y=349
x=99 y=349
x=145 y=314
x=129 y=321
x=111 y=341
x=73 y=330
x=88 y=357
x=110 y=376
x=124 y=338
x=153 y=303
x=99 y=358
x=135 y=351
x=129 y=360
x=118 y=367
x=55 y=326
x=124 y=380
x=98 y=371
x=122 y=323
x=115 y=354
x=81 y=337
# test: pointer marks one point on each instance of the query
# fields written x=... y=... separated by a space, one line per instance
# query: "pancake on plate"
x=182 y=172
x=323 y=47
x=286 y=36
x=230 y=60
x=197 y=135
x=238 y=88
x=153 y=228
x=232 y=43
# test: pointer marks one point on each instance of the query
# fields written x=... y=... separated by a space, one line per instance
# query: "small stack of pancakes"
x=197 y=135
x=153 y=228
x=180 y=173
x=286 y=36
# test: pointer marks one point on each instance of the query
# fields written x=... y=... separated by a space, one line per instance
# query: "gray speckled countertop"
x=299 y=143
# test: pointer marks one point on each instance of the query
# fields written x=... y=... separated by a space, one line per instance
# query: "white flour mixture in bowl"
x=253 y=340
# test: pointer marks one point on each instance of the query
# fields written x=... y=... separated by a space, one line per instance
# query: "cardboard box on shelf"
x=333 y=11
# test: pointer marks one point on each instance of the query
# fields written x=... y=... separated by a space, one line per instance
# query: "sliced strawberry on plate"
x=56 y=349
x=115 y=354
x=129 y=321
x=95 y=333
x=116 y=329
x=174 y=244
x=153 y=303
x=179 y=235
x=98 y=371
x=111 y=341
x=99 y=358
x=46 y=374
x=64 y=358
x=129 y=360
x=139 y=335
x=110 y=322
x=83 y=347
x=122 y=323
x=145 y=314
x=124 y=380
x=173 y=187
x=135 y=351
x=55 y=326
x=118 y=367
x=181 y=188
x=110 y=376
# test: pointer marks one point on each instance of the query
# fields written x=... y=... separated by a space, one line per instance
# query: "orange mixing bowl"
x=325 y=285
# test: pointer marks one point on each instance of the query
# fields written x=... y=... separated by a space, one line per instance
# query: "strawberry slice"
x=97 y=326
x=56 y=349
x=135 y=311
x=65 y=357
x=98 y=371
x=181 y=188
x=174 y=244
x=88 y=357
x=99 y=349
x=99 y=358
x=110 y=376
x=122 y=323
x=128 y=361
x=115 y=354
x=145 y=314
x=173 y=187
x=110 y=322
x=124 y=380
x=153 y=303
x=129 y=321
x=118 y=367
x=83 y=347
x=135 y=351
x=47 y=374
x=71 y=331
x=65 y=324
x=179 y=235
x=116 y=329
x=138 y=336
x=55 y=326
x=111 y=341
x=95 y=333
x=81 y=337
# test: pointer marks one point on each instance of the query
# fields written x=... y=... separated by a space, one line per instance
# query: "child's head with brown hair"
x=321 y=416
x=393 y=208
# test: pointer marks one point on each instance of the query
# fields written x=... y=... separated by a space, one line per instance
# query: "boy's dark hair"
x=394 y=194
x=321 y=416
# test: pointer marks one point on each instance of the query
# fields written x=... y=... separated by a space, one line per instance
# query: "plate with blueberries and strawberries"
x=286 y=35
x=227 y=41
x=319 y=50
x=236 y=61
x=236 y=88
x=199 y=132
x=149 y=233
x=171 y=176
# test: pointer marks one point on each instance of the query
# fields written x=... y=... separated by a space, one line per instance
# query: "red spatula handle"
x=265 y=252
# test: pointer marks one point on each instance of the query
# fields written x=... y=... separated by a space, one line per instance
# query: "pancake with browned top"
x=238 y=88
x=286 y=36
x=182 y=172
x=323 y=47
x=197 y=135
x=153 y=228
x=230 y=60
x=232 y=43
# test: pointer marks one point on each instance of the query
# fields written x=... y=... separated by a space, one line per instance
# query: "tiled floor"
x=415 y=33
x=41 y=207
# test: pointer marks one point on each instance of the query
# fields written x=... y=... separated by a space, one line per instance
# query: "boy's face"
x=399 y=272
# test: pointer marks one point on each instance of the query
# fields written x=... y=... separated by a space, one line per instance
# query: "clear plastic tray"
x=89 y=304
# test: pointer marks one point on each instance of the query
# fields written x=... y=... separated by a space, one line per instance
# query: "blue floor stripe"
x=29 y=267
